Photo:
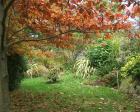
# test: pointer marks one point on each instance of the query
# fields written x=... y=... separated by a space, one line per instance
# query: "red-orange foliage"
x=47 y=17
x=54 y=17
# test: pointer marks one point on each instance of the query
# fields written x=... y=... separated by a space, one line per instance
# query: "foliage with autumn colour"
x=60 y=18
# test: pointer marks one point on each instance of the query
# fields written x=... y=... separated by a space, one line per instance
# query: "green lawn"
x=68 y=95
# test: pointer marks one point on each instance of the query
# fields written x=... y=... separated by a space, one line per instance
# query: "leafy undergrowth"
x=68 y=95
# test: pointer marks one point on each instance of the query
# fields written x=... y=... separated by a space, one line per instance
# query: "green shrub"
x=132 y=67
x=103 y=56
x=16 y=67
x=53 y=75
x=83 y=68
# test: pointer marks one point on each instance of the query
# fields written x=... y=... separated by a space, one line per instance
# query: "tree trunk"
x=4 y=91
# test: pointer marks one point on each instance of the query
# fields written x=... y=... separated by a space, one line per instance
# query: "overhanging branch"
x=45 y=38
x=50 y=37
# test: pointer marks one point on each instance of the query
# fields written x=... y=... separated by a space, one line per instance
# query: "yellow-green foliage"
x=131 y=67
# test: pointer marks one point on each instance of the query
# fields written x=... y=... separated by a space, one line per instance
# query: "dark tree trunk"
x=4 y=92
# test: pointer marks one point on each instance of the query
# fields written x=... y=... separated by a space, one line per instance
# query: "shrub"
x=53 y=75
x=103 y=56
x=132 y=67
x=83 y=68
x=36 y=70
x=16 y=67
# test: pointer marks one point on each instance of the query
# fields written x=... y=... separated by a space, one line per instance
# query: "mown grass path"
x=68 y=95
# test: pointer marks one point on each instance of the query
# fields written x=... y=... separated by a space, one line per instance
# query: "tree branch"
x=45 y=38
x=17 y=32
x=51 y=37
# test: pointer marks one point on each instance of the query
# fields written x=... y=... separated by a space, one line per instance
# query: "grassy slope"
x=69 y=95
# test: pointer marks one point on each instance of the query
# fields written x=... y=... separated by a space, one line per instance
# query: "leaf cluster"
x=132 y=67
